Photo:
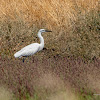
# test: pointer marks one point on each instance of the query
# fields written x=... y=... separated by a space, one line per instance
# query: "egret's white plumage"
x=32 y=48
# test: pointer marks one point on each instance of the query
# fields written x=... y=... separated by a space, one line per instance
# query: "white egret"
x=32 y=48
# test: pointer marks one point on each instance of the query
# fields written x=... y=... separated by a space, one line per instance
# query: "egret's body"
x=32 y=48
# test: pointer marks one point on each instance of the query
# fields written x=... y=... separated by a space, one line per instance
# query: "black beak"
x=48 y=31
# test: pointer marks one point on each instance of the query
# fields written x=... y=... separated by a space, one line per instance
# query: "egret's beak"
x=48 y=31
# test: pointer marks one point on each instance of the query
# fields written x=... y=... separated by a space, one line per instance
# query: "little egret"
x=32 y=48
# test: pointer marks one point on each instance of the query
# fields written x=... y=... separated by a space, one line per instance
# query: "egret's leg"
x=24 y=59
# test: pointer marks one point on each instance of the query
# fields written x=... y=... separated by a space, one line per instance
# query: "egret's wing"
x=28 y=50
x=33 y=45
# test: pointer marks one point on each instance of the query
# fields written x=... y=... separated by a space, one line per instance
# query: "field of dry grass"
x=75 y=26
x=51 y=78
x=71 y=57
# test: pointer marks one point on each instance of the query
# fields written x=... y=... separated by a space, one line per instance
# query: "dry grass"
x=48 y=78
x=5 y=94
x=52 y=87
x=48 y=10
x=75 y=26
x=65 y=95
x=64 y=61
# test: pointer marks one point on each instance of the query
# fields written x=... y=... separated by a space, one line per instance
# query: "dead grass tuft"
x=5 y=94
x=51 y=87
x=51 y=82
x=64 y=95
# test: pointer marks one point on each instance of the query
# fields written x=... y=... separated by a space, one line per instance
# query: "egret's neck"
x=41 y=39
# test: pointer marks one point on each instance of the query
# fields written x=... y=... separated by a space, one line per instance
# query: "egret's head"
x=44 y=30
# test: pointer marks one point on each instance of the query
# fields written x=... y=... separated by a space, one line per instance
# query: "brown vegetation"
x=75 y=26
x=50 y=76
x=71 y=57
x=5 y=94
